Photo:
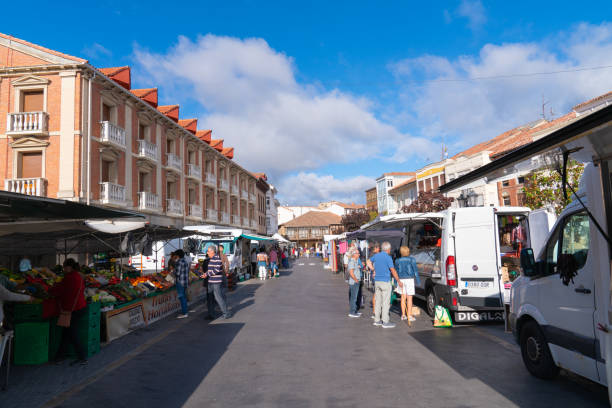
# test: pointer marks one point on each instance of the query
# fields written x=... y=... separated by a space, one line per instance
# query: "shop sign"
x=479 y=316
x=160 y=306
x=120 y=322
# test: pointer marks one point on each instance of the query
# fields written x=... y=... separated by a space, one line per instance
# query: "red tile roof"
x=260 y=176
x=402 y=184
x=148 y=95
x=204 y=135
x=314 y=219
x=189 y=124
x=171 y=111
x=217 y=144
x=597 y=98
x=121 y=75
x=228 y=152
x=38 y=47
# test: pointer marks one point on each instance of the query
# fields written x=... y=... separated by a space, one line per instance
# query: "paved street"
x=291 y=344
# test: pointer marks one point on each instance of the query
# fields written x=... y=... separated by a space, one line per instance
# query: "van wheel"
x=431 y=302
x=535 y=352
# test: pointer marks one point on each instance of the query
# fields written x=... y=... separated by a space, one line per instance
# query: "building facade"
x=307 y=230
x=271 y=211
x=72 y=131
x=403 y=194
x=371 y=201
x=383 y=184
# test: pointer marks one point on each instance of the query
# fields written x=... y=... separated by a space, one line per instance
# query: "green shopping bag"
x=442 y=317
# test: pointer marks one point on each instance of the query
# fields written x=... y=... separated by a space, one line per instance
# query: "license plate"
x=477 y=284
x=478 y=316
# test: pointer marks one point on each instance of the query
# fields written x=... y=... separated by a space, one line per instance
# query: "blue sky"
x=325 y=96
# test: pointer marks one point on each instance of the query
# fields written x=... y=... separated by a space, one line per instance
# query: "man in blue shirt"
x=382 y=263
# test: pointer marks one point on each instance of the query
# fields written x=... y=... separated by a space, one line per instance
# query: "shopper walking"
x=254 y=262
x=215 y=279
x=354 y=271
x=370 y=266
x=262 y=263
x=409 y=275
x=273 y=263
x=70 y=294
x=383 y=267
x=181 y=280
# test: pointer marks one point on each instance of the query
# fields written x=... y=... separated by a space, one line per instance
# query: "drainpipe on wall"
x=89 y=140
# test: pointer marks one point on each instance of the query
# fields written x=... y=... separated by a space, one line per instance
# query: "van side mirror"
x=528 y=263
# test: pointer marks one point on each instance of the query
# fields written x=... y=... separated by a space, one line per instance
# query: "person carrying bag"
x=70 y=294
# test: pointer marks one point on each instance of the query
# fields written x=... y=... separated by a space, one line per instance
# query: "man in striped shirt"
x=215 y=275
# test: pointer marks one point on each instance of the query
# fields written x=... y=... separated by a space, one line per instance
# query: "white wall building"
x=402 y=195
x=287 y=213
x=383 y=184
x=271 y=211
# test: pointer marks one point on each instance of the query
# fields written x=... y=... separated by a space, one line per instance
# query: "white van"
x=554 y=304
x=467 y=257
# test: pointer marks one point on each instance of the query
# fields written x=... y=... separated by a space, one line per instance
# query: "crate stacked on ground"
x=88 y=327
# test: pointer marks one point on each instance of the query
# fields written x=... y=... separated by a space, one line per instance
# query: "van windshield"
x=424 y=242
x=228 y=246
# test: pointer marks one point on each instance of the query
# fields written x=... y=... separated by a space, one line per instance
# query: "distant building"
x=383 y=184
x=271 y=211
x=307 y=231
x=287 y=213
x=371 y=203
x=403 y=194
x=431 y=177
x=340 y=208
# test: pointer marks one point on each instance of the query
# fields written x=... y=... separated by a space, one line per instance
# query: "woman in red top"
x=70 y=294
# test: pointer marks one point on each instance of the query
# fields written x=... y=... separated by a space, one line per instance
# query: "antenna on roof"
x=544 y=103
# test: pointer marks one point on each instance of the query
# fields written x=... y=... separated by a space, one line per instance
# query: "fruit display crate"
x=31 y=343
x=27 y=312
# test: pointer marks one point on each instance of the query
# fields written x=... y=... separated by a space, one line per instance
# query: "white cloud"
x=474 y=12
x=468 y=112
x=309 y=188
x=96 y=51
x=255 y=103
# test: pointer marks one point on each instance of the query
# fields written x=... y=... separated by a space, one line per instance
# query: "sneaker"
x=373 y=317
x=388 y=325
x=412 y=319
x=359 y=314
x=228 y=316
x=378 y=323
x=404 y=318
x=353 y=315
x=181 y=316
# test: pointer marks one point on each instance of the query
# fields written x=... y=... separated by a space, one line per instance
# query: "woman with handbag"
x=70 y=294
x=408 y=273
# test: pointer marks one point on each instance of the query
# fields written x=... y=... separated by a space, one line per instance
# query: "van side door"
x=569 y=309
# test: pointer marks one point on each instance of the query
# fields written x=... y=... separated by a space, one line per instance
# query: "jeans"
x=219 y=292
x=70 y=335
x=182 y=296
x=210 y=301
x=353 y=294
x=273 y=267
x=383 y=301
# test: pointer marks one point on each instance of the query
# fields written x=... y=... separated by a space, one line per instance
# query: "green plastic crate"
x=27 y=312
x=31 y=343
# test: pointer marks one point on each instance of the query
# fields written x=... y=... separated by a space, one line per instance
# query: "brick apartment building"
x=72 y=131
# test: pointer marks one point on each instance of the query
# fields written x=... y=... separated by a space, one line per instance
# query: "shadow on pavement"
x=476 y=357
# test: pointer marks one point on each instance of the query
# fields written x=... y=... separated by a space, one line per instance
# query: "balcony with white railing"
x=225 y=218
x=244 y=195
x=173 y=161
x=234 y=190
x=194 y=171
x=195 y=210
x=235 y=219
x=224 y=185
x=174 y=207
x=111 y=193
x=148 y=201
x=147 y=150
x=27 y=123
x=211 y=215
x=211 y=180
x=29 y=186
x=112 y=134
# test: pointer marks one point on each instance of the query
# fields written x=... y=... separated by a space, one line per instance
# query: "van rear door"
x=476 y=257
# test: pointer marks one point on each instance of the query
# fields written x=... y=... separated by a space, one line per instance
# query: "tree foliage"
x=355 y=219
x=428 y=201
x=544 y=187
